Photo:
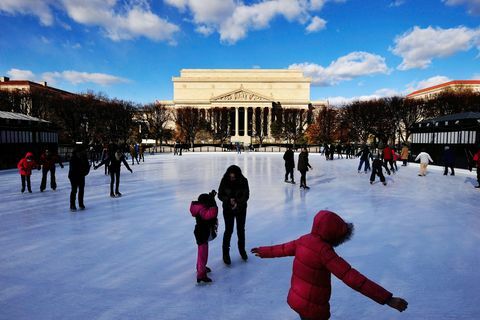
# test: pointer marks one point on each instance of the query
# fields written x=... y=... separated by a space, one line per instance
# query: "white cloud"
x=120 y=20
x=348 y=67
x=418 y=47
x=134 y=20
x=39 y=8
x=76 y=77
x=381 y=93
x=206 y=31
x=473 y=5
x=430 y=82
x=316 y=24
x=233 y=19
x=397 y=3
x=18 y=74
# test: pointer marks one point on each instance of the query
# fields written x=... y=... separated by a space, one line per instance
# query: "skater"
x=326 y=149
x=78 y=169
x=404 y=155
x=388 y=157
x=114 y=161
x=395 y=157
x=47 y=161
x=448 y=161
x=303 y=166
x=205 y=212
x=141 y=150
x=365 y=156
x=134 y=153
x=476 y=160
x=339 y=151
x=237 y=146
x=289 y=164
x=234 y=193
x=25 y=167
x=377 y=170
x=175 y=148
x=315 y=260
x=104 y=156
x=424 y=161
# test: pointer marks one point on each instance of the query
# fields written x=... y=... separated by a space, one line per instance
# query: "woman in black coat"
x=79 y=168
x=114 y=161
x=303 y=166
x=234 y=193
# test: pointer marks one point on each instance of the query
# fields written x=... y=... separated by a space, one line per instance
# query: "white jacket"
x=424 y=157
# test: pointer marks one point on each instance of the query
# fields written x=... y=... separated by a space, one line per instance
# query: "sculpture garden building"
x=241 y=102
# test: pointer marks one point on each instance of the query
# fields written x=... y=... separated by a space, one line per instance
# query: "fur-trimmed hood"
x=331 y=227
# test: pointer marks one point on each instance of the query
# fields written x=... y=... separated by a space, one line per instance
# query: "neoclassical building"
x=247 y=97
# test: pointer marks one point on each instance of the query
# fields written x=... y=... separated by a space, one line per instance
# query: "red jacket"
x=315 y=261
x=387 y=153
x=25 y=167
x=48 y=162
x=476 y=158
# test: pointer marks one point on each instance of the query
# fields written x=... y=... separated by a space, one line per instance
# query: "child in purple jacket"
x=205 y=212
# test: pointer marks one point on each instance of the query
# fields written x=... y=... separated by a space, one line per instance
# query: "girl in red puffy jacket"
x=315 y=261
x=205 y=212
x=25 y=167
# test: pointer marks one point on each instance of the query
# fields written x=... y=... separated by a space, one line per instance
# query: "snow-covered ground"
x=134 y=257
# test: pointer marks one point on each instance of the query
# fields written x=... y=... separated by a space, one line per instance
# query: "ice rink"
x=134 y=257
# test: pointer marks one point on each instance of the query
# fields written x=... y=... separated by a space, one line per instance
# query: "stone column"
x=269 y=124
x=236 y=122
x=245 y=125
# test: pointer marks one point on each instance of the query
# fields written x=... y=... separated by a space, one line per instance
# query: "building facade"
x=246 y=97
x=456 y=85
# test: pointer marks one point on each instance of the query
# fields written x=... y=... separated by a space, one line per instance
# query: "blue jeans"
x=367 y=165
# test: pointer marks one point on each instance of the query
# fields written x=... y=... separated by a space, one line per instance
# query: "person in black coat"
x=114 y=161
x=377 y=170
x=303 y=167
x=448 y=161
x=289 y=164
x=234 y=193
x=79 y=168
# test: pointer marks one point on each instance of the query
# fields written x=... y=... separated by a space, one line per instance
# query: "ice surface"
x=134 y=257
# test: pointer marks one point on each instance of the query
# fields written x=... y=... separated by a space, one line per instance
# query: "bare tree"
x=157 y=117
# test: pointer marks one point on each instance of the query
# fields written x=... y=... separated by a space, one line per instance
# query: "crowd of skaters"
x=314 y=250
x=81 y=160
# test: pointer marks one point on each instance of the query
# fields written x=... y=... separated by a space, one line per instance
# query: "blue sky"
x=130 y=49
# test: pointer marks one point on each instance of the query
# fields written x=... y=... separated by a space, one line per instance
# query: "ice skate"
x=208 y=269
x=384 y=183
x=204 y=279
x=226 y=257
x=73 y=208
x=112 y=194
x=82 y=207
x=118 y=194
x=243 y=254
x=292 y=182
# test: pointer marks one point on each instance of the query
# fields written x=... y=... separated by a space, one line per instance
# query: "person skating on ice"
x=476 y=160
x=78 y=170
x=365 y=156
x=234 y=194
x=205 y=212
x=303 y=167
x=288 y=157
x=48 y=161
x=114 y=162
x=377 y=170
x=315 y=260
x=25 y=167
x=404 y=155
x=388 y=157
x=425 y=159
x=448 y=160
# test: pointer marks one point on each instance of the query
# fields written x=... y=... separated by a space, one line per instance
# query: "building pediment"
x=240 y=95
